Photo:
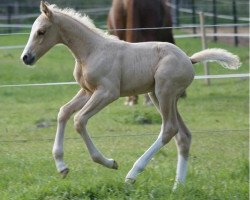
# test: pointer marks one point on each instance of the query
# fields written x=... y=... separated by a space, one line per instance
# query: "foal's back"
x=139 y=63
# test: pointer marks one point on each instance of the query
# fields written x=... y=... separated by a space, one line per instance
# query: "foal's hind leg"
x=183 y=142
x=167 y=107
x=64 y=114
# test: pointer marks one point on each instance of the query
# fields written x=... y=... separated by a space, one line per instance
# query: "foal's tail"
x=225 y=58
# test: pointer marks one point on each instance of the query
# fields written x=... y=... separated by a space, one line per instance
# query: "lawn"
x=218 y=116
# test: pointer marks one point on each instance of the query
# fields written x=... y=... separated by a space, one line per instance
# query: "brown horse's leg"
x=117 y=19
x=64 y=114
x=147 y=100
x=131 y=100
x=132 y=21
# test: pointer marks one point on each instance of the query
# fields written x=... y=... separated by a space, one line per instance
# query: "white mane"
x=84 y=19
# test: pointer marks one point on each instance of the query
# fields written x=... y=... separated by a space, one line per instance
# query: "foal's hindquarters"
x=173 y=75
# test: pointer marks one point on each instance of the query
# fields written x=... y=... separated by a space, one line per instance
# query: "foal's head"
x=44 y=35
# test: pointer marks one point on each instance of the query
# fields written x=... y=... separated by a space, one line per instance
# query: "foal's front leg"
x=98 y=100
x=64 y=114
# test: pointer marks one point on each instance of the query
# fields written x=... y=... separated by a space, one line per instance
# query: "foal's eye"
x=41 y=32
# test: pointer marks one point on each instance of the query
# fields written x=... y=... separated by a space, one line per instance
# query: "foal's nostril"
x=28 y=59
x=25 y=58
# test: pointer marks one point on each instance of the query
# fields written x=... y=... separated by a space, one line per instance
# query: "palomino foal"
x=107 y=68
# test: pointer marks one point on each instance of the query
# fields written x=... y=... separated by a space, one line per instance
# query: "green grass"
x=218 y=165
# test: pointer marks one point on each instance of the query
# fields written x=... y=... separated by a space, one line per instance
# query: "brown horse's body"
x=133 y=14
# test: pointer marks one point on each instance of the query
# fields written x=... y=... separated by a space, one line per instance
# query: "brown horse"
x=142 y=14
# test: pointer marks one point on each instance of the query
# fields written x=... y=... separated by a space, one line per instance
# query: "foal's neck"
x=79 y=38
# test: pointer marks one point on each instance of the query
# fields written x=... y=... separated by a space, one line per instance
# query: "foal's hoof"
x=115 y=165
x=177 y=185
x=129 y=181
x=64 y=172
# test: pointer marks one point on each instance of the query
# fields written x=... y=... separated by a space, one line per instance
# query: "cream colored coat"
x=107 y=68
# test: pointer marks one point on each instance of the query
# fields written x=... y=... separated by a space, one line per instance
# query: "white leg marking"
x=58 y=148
x=140 y=164
x=181 y=171
x=64 y=114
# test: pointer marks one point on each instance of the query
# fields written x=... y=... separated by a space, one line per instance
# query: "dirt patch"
x=242 y=41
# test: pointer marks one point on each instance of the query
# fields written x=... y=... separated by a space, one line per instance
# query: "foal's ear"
x=45 y=9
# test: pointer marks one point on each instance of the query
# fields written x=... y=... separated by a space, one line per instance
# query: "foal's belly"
x=137 y=82
x=136 y=90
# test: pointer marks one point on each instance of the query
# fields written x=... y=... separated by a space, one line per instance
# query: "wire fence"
x=179 y=36
x=243 y=131
x=219 y=76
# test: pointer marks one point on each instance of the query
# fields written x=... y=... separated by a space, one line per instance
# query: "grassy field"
x=217 y=115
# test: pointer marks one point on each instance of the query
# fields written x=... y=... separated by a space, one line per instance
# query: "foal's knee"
x=63 y=114
x=79 y=123
x=183 y=143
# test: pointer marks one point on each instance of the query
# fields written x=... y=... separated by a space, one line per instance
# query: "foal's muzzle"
x=28 y=59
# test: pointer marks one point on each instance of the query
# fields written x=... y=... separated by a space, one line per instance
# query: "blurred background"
x=17 y=14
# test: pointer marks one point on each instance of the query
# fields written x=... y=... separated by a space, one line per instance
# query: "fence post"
x=235 y=22
x=9 y=13
x=204 y=44
x=16 y=12
x=215 y=19
x=177 y=12
x=193 y=16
